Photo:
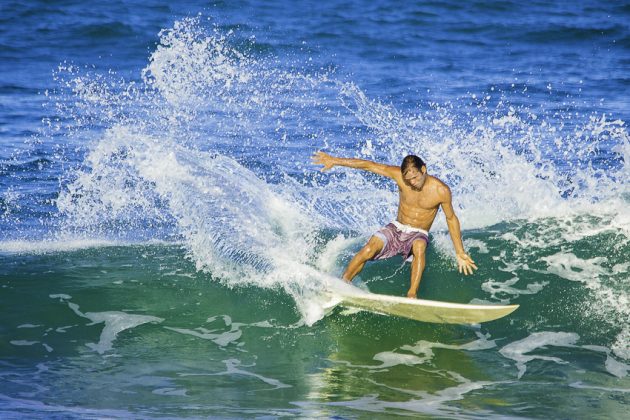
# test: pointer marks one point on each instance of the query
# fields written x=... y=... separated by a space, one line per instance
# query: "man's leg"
x=369 y=251
x=418 y=248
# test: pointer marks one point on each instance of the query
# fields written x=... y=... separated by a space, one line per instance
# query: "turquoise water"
x=137 y=331
x=165 y=243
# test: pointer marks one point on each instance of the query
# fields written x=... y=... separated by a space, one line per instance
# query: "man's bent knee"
x=418 y=247
x=373 y=247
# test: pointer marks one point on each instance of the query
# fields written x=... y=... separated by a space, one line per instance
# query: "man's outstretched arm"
x=321 y=158
x=465 y=264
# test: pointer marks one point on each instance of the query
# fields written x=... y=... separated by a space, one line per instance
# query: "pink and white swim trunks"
x=398 y=239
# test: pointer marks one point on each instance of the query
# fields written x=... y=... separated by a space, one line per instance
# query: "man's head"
x=414 y=171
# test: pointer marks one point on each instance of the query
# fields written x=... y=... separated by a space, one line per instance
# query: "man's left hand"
x=321 y=158
x=465 y=264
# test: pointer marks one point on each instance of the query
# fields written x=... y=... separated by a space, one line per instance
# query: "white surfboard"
x=420 y=309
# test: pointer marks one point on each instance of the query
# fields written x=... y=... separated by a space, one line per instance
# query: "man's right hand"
x=321 y=158
x=465 y=264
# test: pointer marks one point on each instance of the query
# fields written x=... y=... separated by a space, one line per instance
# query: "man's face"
x=415 y=178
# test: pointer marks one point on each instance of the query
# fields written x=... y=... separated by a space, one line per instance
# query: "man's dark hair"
x=411 y=161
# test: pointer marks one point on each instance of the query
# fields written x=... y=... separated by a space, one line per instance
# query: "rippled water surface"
x=165 y=240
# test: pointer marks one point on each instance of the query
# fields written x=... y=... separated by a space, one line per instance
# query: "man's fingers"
x=466 y=265
x=466 y=268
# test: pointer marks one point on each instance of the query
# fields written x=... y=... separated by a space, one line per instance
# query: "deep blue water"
x=155 y=160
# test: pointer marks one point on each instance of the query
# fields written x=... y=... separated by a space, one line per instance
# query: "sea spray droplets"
x=501 y=164
x=146 y=170
x=208 y=65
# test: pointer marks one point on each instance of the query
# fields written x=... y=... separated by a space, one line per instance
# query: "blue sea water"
x=165 y=240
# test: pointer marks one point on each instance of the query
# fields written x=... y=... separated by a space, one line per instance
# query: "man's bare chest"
x=418 y=201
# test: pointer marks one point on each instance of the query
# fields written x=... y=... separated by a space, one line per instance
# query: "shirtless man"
x=420 y=197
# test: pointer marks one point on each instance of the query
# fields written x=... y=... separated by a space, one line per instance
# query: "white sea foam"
x=476 y=243
x=499 y=289
x=428 y=403
x=612 y=365
x=616 y=367
x=433 y=404
x=180 y=392
x=224 y=335
x=570 y=267
x=621 y=347
x=423 y=352
x=222 y=339
x=232 y=369
x=580 y=385
x=389 y=359
x=66 y=244
x=326 y=261
x=611 y=300
x=115 y=323
x=518 y=350
x=60 y=296
x=48 y=246
x=23 y=342
x=426 y=347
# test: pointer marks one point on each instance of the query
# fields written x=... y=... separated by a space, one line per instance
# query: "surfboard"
x=420 y=309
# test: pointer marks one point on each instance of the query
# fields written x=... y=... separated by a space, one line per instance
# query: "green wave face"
x=139 y=325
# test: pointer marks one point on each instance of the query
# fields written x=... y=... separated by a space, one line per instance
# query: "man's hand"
x=321 y=158
x=465 y=264
x=411 y=294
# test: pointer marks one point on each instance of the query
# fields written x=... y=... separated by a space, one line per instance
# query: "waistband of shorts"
x=409 y=229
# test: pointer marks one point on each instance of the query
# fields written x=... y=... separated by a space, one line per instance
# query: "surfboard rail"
x=421 y=309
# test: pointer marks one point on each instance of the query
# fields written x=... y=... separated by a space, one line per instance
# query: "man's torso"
x=418 y=208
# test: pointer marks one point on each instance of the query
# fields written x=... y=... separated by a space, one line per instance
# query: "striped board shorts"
x=398 y=239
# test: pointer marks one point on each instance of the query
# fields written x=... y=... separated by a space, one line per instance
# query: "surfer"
x=420 y=196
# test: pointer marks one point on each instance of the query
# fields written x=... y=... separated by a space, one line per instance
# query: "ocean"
x=166 y=242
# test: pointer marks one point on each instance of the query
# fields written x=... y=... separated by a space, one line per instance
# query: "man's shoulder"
x=439 y=184
x=440 y=188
